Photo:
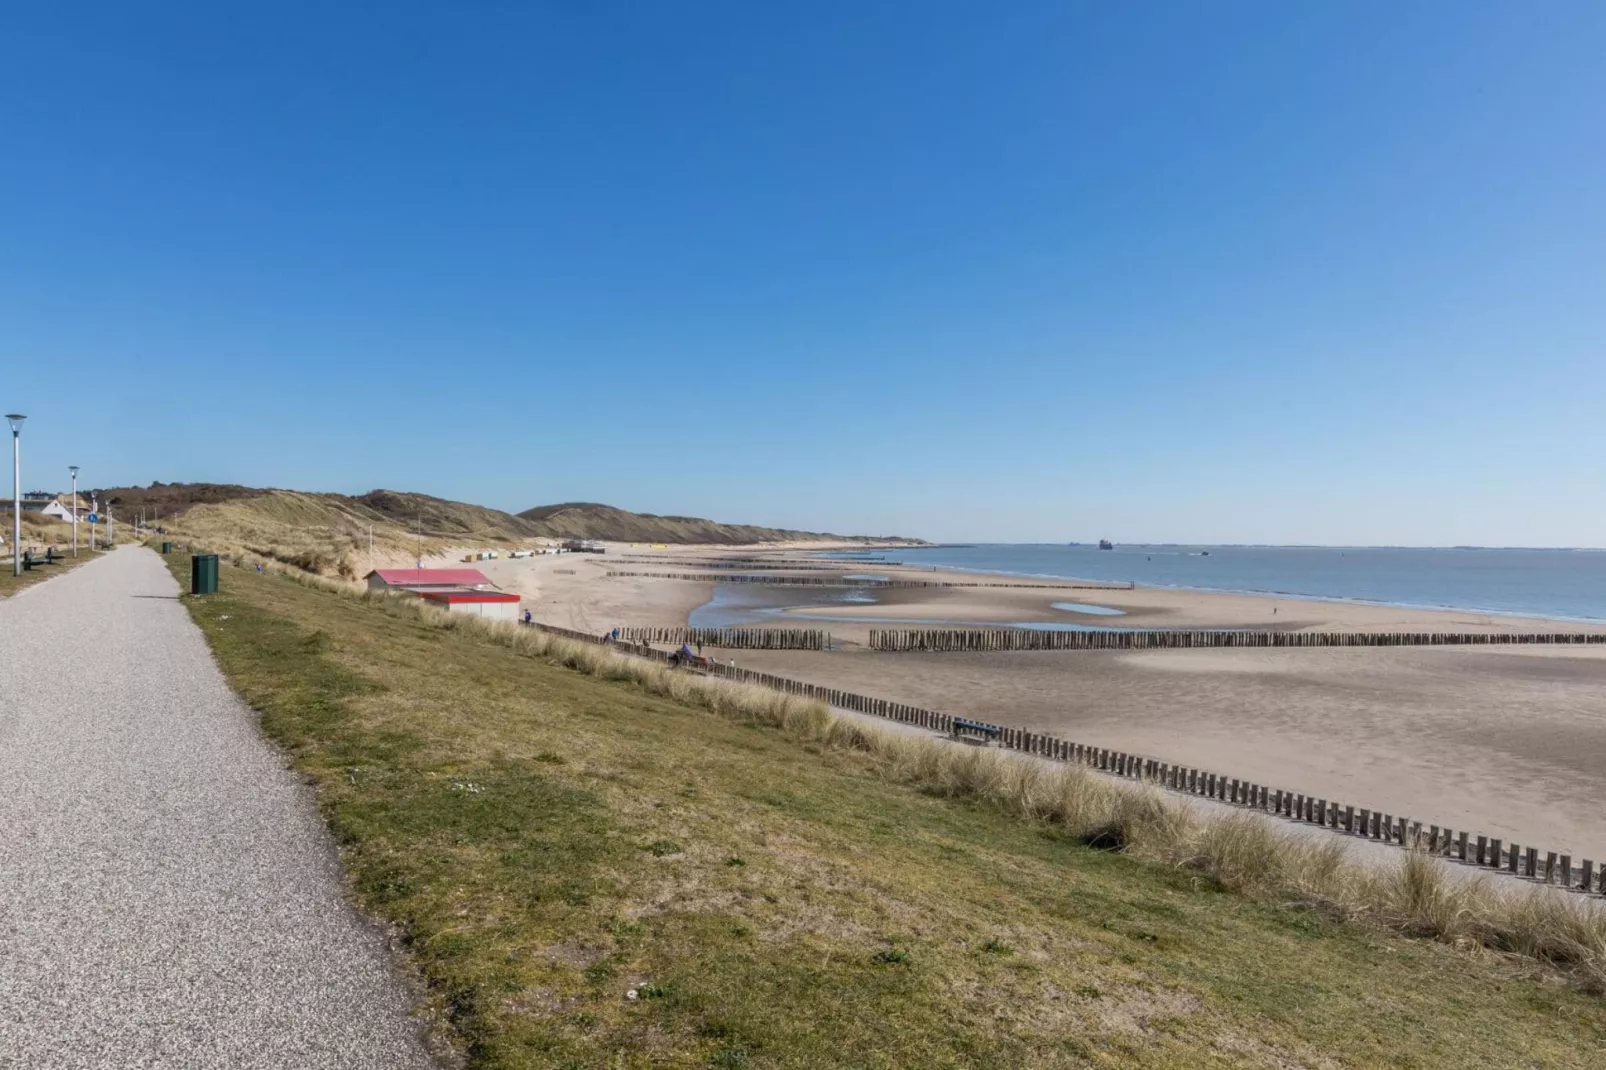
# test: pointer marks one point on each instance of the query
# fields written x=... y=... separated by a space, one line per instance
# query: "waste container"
x=167 y=547
x=203 y=574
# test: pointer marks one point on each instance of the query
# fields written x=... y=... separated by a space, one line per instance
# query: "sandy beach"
x=574 y=590
x=1510 y=741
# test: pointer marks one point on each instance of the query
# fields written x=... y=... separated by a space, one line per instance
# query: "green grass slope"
x=546 y=841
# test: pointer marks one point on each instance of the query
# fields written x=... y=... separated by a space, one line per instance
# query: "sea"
x=1554 y=584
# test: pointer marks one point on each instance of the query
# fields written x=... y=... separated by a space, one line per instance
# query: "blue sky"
x=1218 y=272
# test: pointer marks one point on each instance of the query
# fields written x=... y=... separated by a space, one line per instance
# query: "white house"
x=56 y=505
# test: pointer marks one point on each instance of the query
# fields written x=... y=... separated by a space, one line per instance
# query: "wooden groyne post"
x=973 y=640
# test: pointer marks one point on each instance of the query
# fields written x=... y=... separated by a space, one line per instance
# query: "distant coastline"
x=1506 y=590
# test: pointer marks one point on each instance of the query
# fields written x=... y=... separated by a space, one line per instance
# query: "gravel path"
x=169 y=896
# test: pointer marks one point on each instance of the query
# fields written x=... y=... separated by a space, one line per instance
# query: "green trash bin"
x=167 y=547
x=203 y=574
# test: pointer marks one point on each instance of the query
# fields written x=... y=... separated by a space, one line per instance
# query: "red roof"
x=431 y=577
x=451 y=597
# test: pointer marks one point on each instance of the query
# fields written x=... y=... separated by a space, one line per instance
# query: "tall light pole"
x=73 y=468
x=15 y=420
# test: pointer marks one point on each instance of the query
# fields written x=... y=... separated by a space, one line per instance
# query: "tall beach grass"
x=1242 y=852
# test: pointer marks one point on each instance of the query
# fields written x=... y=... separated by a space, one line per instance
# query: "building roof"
x=431 y=577
x=465 y=595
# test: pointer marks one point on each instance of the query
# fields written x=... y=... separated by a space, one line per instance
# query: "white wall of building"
x=508 y=611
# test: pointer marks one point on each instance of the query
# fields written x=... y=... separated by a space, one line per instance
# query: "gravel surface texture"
x=169 y=896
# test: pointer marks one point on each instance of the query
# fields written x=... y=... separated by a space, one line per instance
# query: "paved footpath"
x=169 y=896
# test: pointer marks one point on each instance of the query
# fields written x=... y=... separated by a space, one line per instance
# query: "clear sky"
x=1029 y=271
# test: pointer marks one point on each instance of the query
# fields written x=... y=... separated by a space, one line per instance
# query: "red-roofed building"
x=419 y=580
x=497 y=605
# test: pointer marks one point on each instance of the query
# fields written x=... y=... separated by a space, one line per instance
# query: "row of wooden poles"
x=952 y=640
x=745 y=566
x=733 y=638
x=840 y=565
x=1472 y=848
x=1443 y=842
x=823 y=581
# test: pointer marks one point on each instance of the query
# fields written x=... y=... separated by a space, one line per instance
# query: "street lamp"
x=15 y=420
x=73 y=468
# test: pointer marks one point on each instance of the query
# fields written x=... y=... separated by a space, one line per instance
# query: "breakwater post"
x=974 y=640
x=733 y=638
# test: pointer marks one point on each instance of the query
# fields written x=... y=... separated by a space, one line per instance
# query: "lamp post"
x=73 y=468
x=15 y=420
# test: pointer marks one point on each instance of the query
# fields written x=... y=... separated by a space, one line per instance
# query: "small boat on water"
x=1106 y=544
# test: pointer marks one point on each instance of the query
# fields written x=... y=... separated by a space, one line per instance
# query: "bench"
x=978 y=731
x=29 y=560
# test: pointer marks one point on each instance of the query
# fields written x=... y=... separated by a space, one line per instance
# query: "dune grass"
x=10 y=584
x=310 y=532
x=331 y=534
x=781 y=887
x=39 y=533
x=1243 y=852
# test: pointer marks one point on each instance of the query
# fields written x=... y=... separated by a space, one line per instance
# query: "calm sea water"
x=1568 y=584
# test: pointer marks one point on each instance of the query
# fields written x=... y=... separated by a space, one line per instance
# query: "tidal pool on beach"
x=735 y=605
x=1083 y=607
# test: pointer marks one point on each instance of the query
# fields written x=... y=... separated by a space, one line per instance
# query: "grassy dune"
x=315 y=532
x=330 y=533
x=777 y=892
x=589 y=520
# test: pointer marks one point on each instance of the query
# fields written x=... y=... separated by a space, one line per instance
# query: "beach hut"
x=496 y=605
x=418 y=580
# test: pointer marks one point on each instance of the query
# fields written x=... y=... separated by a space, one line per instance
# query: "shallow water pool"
x=1083 y=607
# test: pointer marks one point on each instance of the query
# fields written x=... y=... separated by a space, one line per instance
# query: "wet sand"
x=573 y=590
x=1147 y=607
